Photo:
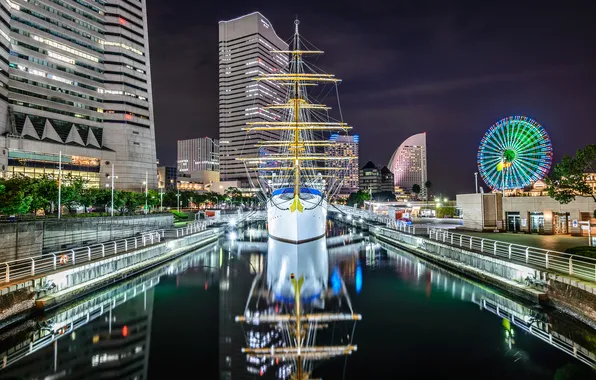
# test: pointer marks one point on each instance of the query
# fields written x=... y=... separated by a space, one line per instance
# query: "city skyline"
x=435 y=90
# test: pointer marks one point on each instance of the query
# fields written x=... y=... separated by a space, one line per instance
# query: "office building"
x=196 y=155
x=245 y=46
x=77 y=84
x=345 y=146
x=408 y=164
x=387 y=180
x=167 y=177
x=370 y=178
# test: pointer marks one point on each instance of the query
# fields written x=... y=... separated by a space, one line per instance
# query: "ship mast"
x=300 y=145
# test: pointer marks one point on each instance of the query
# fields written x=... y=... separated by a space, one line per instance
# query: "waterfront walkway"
x=549 y=242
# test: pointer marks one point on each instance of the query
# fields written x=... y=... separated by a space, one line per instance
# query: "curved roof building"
x=408 y=163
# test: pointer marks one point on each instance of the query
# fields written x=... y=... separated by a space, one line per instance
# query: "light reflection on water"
x=412 y=311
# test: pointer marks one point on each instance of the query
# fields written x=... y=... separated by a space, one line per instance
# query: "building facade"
x=387 y=180
x=370 y=178
x=76 y=82
x=408 y=164
x=245 y=46
x=195 y=155
x=167 y=177
x=345 y=146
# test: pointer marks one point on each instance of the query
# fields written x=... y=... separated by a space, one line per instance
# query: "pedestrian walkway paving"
x=549 y=242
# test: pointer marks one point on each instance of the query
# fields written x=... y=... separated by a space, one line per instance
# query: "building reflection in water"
x=103 y=336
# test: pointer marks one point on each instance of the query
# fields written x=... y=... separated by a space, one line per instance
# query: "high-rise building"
x=408 y=164
x=245 y=46
x=387 y=180
x=370 y=178
x=195 y=155
x=76 y=83
x=345 y=146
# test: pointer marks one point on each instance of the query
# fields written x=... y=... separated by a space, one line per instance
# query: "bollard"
x=547 y=259
x=115 y=248
x=527 y=254
x=32 y=267
x=135 y=242
x=125 y=245
x=510 y=245
x=571 y=265
x=103 y=250
x=471 y=243
x=461 y=239
x=89 y=252
x=482 y=245
x=7 y=273
x=73 y=256
x=53 y=254
x=151 y=238
x=144 y=240
x=495 y=248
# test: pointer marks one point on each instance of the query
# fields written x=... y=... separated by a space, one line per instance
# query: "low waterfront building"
x=529 y=214
x=167 y=177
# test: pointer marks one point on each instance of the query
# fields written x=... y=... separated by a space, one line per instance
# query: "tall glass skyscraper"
x=408 y=164
x=75 y=79
x=198 y=154
x=245 y=44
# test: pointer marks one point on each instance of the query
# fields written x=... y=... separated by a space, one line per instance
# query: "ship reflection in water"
x=289 y=314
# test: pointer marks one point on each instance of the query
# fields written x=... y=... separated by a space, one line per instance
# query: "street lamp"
x=146 y=183
x=476 y=180
x=112 y=177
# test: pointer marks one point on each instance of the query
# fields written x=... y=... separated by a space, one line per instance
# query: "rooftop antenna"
x=296 y=22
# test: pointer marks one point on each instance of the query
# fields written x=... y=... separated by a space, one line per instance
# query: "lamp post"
x=146 y=192
x=476 y=180
x=60 y=185
x=161 y=199
x=178 y=197
x=112 y=177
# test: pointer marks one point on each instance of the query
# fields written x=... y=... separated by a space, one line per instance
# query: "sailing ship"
x=296 y=186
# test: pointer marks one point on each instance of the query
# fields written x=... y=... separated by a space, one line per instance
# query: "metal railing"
x=32 y=266
x=48 y=262
x=354 y=214
x=573 y=265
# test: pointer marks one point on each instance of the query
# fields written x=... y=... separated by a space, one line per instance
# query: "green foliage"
x=358 y=198
x=428 y=185
x=416 y=189
x=384 y=196
x=445 y=211
x=179 y=215
x=568 y=178
x=582 y=251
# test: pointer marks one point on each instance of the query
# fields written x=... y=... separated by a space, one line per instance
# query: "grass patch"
x=582 y=251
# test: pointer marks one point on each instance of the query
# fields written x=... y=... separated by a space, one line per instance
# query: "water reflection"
x=420 y=310
x=289 y=314
x=106 y=335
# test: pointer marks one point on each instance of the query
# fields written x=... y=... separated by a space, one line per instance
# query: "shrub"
x=179 y=215
x=582 y=251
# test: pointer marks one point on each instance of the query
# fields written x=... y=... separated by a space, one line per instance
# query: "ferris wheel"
x=514 y=152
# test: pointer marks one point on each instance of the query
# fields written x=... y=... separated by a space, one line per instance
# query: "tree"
x=72 y=191
x=358 y=198
x=416 y=189
x=13 y=197
x=428 y=185
x=568 y=179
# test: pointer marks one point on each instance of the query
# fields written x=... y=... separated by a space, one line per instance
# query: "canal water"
x=177 y=321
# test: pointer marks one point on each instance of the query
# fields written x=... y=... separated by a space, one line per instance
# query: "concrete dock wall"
x=20 y=240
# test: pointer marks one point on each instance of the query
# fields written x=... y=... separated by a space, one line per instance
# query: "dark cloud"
x=450 y=69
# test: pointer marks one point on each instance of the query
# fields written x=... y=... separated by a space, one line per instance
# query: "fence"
x=573 y=265
x=33 y=266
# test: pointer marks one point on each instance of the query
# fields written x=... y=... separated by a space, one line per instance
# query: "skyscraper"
x=198 y=154
x=77 y=83
x=408 y=163
x=345 y=146
x=245 y=44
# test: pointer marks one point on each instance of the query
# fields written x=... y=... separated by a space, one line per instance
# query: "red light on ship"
x=125 y=331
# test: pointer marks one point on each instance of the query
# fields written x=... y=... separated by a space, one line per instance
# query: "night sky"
x=447 y=68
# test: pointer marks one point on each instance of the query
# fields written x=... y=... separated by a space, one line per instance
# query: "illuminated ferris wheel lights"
x=513 y=153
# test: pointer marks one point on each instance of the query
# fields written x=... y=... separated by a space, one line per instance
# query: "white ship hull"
x=296 y=226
